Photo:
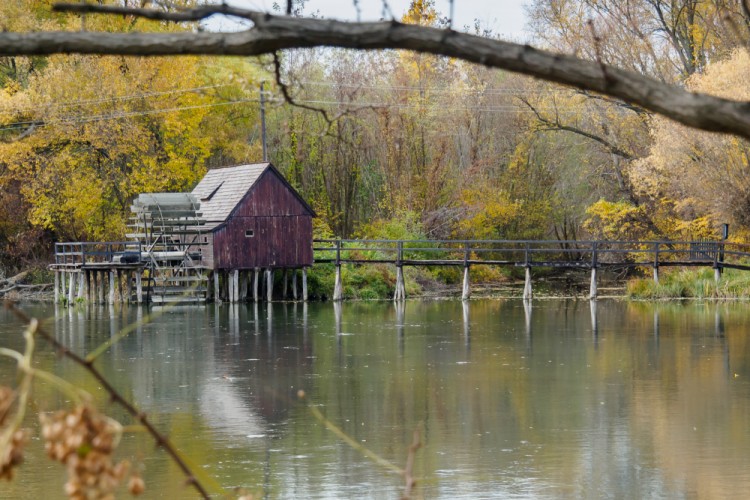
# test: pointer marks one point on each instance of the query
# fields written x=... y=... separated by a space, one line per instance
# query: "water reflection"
x=613 y=400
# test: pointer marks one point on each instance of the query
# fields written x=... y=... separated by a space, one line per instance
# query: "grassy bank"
x=692 y=283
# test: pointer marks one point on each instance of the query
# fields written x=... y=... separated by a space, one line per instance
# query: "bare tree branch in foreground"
x=271 y=33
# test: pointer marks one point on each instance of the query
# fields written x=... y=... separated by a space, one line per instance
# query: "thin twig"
x=330 y=120
x=598 y=49
x=161 y=440
x=182 y=15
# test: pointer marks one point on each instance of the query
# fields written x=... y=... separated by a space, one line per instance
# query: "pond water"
x=557 y=399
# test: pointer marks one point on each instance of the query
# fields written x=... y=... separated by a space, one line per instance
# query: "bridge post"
x=527 y=293
x=717 y=268
x=338 y=288
x=594 y=263
x=400 y=292
x=656 y=263
x=57 y=287
x=294 y=284
x=466 y=291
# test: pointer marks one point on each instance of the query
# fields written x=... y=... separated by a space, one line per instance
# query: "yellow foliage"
x=705 y=175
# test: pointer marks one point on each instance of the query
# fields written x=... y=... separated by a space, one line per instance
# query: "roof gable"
x=222 y=189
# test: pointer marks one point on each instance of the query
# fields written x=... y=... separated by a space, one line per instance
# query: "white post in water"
x=338 y=288
x=400 y=293
x=217 y=289
x=269 y=284
x=717 y=275
x=256 y=274
x=243 y=286
x=111 y=287
x=294 y=284
x=139 y=287
x=71 y=288
x=466 y=292
x=527 y=285
x=304 y=284
x=57 y=287
x=656 y=275
x=235 y=286
x=592 y=289
x=81 y=286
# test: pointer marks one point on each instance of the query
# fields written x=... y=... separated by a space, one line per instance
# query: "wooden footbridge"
x=125 y=271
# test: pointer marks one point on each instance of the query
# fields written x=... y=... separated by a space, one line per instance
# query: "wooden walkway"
x=591 y=255
x=88 y=271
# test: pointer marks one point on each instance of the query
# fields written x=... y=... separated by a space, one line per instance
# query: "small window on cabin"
x=249 y=233
x=205 y=239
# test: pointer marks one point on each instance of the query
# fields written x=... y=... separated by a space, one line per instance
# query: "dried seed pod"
x=12 y=457
x=84 y=440
x=136 y=486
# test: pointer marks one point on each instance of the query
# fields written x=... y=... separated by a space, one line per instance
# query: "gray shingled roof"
x=223 y=188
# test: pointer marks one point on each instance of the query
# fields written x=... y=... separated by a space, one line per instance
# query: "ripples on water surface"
x=629 y=400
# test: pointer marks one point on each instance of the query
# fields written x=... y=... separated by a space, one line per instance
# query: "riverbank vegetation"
x=692 y=284
x=383 y=144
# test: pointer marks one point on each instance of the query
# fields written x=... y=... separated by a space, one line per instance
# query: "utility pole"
x=263 y=121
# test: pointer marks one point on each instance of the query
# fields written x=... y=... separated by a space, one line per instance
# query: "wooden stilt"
x=243 y=286
x=269 y=284
x=111 y=299
x=284 y=284
x=466 y=291
x=527 y=293
x=217 y=289
x=81 y=286
x=138 y=287
x=256 y=277
x=63 y=285
x=89 y=296
x=119 y=286
x=100 y=291
x=57 y=287
x=294 y=284
x=71 y=289
x=235 y=286
x=338 y=288
x=592 y=289
x=717 y=274
x=656 y=275
x=304 y=284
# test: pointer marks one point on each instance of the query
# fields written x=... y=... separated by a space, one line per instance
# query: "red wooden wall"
x=281 y=224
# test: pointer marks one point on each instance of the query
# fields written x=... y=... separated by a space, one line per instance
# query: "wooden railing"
x=79 y=254
x=535 y=253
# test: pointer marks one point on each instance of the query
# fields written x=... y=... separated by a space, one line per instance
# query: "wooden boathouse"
x=254 y=220
x=191 y=247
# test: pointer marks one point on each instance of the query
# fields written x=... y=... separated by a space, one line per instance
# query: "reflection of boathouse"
x=189 y=247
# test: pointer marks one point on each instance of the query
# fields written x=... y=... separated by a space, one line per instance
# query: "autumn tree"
x=85 y=134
